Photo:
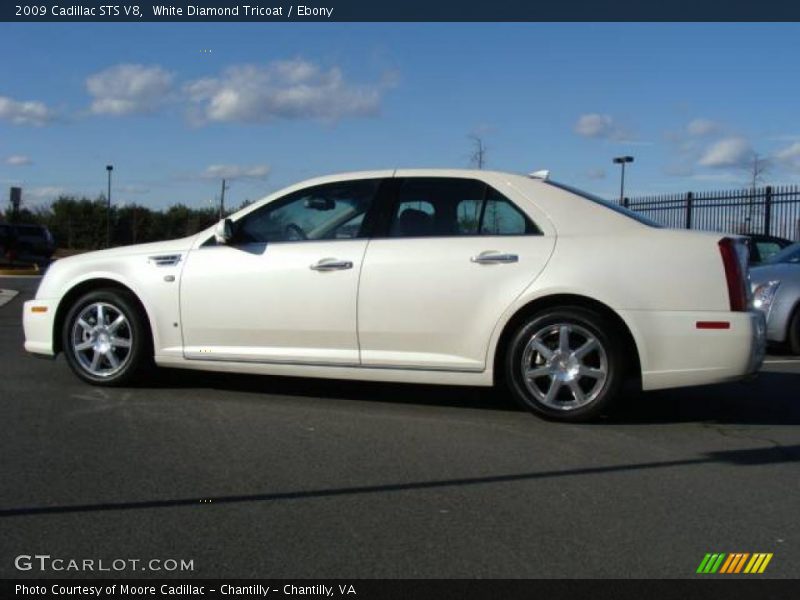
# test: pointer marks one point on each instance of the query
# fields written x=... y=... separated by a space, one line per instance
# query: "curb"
x=31 y=270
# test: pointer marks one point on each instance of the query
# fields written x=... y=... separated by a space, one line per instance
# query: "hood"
x=121 y=264
x=179 y=245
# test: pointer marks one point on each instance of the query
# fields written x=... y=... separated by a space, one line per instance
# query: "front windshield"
x=610 y=205
x=790 y=254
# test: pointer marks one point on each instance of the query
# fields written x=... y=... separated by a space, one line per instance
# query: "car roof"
x=557 y=204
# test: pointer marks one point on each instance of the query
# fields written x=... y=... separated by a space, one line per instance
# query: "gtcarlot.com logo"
x=734 y=563
x=45 y=562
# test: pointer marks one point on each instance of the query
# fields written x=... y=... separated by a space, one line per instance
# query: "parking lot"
x=285 y=478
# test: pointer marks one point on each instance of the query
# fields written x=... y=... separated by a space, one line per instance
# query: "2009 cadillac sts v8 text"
x=429 y=276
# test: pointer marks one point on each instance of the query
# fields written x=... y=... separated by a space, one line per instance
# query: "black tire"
x=793 y=335
x=605 y=366
x=133 y=360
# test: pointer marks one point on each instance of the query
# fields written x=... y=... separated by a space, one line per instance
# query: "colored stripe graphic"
x=711 y=563
x=739 y=566
x=727 y=564
x=703 y=563
x=718 y=562
x=734 y=562
x=764 y=564
x=755 y=562
x=737 y=563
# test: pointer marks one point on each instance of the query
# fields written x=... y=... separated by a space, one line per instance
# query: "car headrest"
x=414 y=223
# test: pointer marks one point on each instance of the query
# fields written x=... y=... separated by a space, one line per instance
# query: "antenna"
x=544 y=174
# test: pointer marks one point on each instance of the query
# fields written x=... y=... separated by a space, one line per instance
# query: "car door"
x=285 y=288
x=453 y=255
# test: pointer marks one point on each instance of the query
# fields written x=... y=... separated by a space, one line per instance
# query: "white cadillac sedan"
x=422 y=276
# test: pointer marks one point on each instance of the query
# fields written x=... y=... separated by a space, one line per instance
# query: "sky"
x=175 y=107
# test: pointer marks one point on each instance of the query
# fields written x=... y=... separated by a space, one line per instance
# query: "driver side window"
x=327 y=211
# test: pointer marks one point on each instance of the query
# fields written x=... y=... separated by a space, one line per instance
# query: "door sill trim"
x=344 y=365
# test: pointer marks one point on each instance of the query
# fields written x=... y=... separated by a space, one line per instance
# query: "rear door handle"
x=491 y=257
x=331 y=264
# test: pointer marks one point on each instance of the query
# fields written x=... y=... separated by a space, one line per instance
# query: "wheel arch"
x=634 y=368
x=84 y=287
x=793 y=320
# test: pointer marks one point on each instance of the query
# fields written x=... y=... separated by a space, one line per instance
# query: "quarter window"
x=500 y=217
x=438 y=206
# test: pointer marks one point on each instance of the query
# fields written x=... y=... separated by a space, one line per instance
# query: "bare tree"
x=757 y=167
x=478 y=157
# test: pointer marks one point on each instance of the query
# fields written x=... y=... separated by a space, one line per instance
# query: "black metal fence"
x=768 y=210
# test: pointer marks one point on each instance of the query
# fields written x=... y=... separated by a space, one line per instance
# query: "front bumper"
x=38 y=319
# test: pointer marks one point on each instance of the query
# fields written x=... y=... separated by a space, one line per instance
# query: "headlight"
x=764 y=294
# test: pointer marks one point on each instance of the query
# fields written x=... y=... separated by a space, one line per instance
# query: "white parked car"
x=427 y=276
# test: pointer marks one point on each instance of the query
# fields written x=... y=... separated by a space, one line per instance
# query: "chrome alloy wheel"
x=564 y=366
x=102 y=339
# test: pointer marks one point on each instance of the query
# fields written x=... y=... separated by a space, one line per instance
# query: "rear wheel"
x=564 y=364
x=105 y=338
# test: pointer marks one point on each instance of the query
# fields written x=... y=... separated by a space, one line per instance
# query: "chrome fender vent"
x=165 y=260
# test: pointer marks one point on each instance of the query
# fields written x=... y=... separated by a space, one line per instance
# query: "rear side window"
x=445 y=207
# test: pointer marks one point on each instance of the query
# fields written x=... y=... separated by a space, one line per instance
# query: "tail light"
x=734 y=259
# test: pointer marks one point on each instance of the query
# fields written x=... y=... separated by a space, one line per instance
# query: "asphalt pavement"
x=289 y=478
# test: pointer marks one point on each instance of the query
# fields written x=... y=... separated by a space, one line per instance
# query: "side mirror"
x=223 y=232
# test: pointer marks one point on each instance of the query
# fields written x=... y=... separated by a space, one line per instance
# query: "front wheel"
x=105 y=338
x=564 y=364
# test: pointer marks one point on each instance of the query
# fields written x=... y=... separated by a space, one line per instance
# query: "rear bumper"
x=674 y=352
x=38 y=326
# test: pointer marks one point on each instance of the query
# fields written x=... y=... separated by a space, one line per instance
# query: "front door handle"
x=331 y=264
x=491 y=257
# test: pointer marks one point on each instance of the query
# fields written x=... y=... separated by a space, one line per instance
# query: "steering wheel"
x=294 y=233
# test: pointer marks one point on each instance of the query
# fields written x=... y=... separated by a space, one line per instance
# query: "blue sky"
x=177 y=106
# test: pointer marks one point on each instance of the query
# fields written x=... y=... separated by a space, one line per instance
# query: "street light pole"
x=109 y=168
x=622 y=160
x=222 y=201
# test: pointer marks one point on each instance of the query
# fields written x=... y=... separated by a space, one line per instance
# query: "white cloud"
x=596 y=173
x=790 y=156
x=290 y=89
x=236 y=172
x=128 y=89
x=27 y=112
x=701 y=127
x=18 y=160
x=594 y=125
x=727 y=152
